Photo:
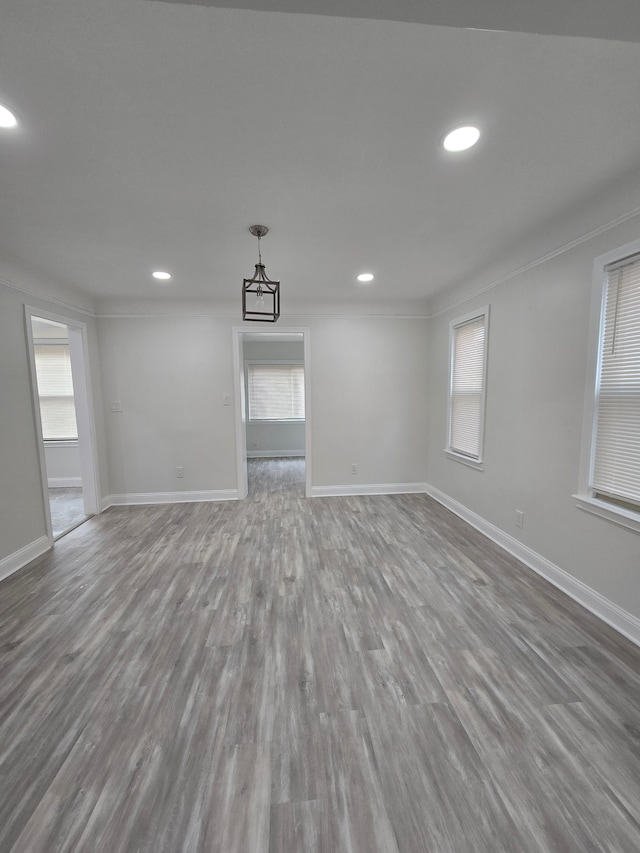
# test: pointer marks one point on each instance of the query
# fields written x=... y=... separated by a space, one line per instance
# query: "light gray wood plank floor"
x=282 y=675
x=67 y=509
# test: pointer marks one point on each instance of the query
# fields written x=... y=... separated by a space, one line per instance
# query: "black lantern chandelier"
x=260 y=295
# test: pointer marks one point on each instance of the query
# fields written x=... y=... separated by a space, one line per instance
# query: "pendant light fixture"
x=260 y=295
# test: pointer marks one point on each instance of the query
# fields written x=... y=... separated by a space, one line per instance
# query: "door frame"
x=83 y=401
x=240 y=408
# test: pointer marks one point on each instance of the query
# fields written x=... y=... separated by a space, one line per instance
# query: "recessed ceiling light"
x=461 y=138
x=7 y=118
x=163 y=276
x=365 y=276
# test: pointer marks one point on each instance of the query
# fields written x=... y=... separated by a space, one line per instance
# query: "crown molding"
x=566 y=247
x=52 y=300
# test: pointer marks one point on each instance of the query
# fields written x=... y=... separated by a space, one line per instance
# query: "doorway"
x=63 y=420
x=273 y=416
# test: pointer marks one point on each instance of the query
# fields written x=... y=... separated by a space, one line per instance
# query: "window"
x=275 y=392
x=55 y=390
x=614 y=469
x=467 y=381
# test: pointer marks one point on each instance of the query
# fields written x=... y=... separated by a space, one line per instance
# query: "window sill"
x=274 y=421
x=478 y=464
x=60 y=442
x=623 y=517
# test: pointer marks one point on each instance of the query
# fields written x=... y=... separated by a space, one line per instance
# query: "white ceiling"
x=154 y=134
x=618 y=19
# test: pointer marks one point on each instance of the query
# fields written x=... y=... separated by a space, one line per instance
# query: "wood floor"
x=67 y=509
x=282 y=675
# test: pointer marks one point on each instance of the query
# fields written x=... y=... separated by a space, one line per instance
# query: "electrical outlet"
x=519 y=518
x=226 y=399
x=354 y=468
x=179 y=471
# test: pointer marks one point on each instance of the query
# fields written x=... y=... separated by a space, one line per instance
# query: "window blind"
x=467 y=387
x=275 y=392
x=616 y=468
x=55 y=390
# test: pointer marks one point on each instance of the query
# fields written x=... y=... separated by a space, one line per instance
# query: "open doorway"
x=273 y=428
x=61 y=404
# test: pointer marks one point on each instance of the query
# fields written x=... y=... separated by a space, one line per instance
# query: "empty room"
x=319 y=426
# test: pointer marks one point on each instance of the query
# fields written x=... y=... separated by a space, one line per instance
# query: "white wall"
x=63 y=463
x=277 y=350
x=272 y=439
x=269 y=439
x=170 y=376
x=368 y=381
x=535 y=398
x=370 y=401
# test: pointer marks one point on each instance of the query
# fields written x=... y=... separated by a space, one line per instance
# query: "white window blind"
x=616 y=468
x=466 y=403
x=55 y=390
x=275 y=392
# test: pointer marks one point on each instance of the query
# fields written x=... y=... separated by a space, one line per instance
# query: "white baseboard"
x=273 y=454
x=133 y=498
x=15 y=561
x=368 y=489
x=64 y=482
x=623 y=621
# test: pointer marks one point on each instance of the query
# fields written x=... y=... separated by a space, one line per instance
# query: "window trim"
x=465 y=459
x=585 y=497
x=296 y=362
